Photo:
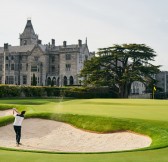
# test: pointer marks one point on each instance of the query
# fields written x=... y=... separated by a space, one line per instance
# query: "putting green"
x=143 y=116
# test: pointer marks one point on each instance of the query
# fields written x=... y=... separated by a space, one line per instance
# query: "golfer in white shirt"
x=18 y=124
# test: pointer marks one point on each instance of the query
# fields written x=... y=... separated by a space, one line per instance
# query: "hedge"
x=43 y=91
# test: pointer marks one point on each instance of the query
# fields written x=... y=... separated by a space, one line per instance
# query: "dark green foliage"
x=34 y=81
x=42 y=91
x=9 y=91
x=119 y=66
x=90 y=92
x=29 y=91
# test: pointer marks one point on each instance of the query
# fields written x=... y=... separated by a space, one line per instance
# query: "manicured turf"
x=104 y=115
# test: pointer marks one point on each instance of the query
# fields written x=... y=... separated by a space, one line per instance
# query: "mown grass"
x=139 y=156
x=103 y=116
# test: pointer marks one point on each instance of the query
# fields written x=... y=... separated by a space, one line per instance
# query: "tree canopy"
x=34 y=81
x=118 y=66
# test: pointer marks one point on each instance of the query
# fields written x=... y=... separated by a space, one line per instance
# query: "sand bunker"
x=5 y=113
x=39 y=134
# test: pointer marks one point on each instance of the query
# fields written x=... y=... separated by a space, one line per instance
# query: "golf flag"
x=154 y=89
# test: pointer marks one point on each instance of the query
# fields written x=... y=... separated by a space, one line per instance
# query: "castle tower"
x=28 y=36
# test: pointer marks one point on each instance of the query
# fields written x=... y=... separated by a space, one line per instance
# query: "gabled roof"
x=42 y=47
x=13 y=49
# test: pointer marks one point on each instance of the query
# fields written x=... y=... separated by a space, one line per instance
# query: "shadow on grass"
x=33 y=101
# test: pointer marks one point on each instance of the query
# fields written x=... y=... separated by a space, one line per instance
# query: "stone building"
x=137 y=88
x=49 y=63
x=162 y=80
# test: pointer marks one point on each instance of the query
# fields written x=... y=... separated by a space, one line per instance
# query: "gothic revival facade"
x=59 y=65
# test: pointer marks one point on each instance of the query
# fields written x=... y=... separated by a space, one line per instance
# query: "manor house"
x=59 y=64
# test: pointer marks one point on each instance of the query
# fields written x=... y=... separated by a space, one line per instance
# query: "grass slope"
x=143 y=156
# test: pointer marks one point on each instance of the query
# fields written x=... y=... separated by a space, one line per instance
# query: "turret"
x=28 y=36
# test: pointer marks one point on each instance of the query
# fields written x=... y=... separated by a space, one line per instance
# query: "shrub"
x=44 y=91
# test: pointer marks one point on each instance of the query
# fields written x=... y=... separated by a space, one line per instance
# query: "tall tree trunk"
x=121 y=90
x=126 y=90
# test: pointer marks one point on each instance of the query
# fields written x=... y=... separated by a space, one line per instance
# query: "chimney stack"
x=5 y=46
x=64 y=43
x=39 y=41
x=53 y=42
x=79 y=43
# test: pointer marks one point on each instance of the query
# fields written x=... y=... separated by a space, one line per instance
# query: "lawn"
x=149 y=117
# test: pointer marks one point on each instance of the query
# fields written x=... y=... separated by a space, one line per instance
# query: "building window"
x=36 y=58
x=12 y=57
x=7 y=58
x=34 y=81
x=80 y=58
x=25 y=58
x=65 y=80
x=7 y=66
x=49 y=81
x=6 y=80
x=26 y=67
x=86 y=57
x=68 y=67
x=20 y=66
x=1 y=67
x=24 y=79
x=16 y=67
x=54 y=81
x=12 y=66
x=11 y=80
x=20 y=57
x=71 y=80
x=25 y=42
x=52 y=69
x=68 y=57
x=33 y=68
x=53 y=59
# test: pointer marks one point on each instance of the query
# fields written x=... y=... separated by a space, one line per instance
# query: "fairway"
x=148 y=117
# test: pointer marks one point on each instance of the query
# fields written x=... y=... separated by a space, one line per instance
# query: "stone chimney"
x=6 y=46
x=79 y=43
x=39 y=41
x=64 y=43
x=53 y=42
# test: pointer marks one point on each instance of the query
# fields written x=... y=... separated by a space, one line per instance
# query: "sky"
x=103 y=22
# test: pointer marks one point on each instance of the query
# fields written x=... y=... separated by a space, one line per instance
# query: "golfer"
x=18 y=124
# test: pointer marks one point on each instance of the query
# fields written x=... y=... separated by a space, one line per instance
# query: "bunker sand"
x=40 y=134
x=5 y=113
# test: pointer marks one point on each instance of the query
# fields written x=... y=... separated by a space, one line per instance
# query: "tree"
x=34 y=81
x=118 y=66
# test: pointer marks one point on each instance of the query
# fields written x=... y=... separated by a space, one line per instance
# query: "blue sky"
x=103 y=22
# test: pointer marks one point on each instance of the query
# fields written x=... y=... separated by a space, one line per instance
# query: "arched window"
x=49 y=81
x=65 y=81
x=71 y=80
x=58 y=81
x=53 y=81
